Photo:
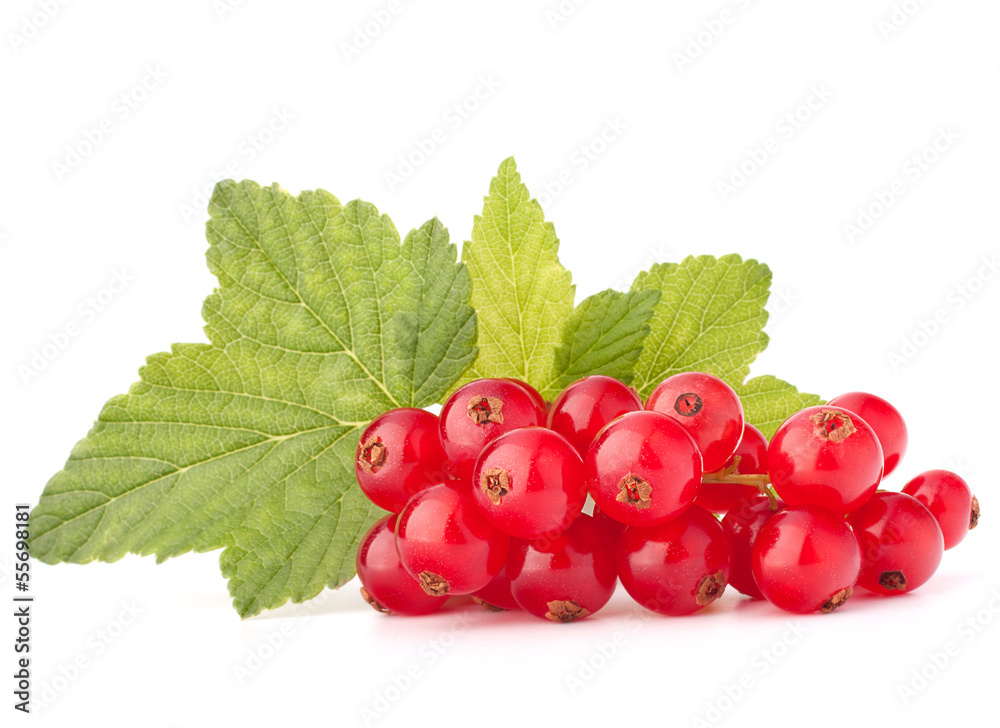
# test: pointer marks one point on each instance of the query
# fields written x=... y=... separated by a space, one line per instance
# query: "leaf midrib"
x=178 y=471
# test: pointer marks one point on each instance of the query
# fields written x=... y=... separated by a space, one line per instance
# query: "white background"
x=843 y=306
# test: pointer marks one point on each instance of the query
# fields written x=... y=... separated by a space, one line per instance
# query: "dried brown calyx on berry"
x=837 y=600
x=634 y=491
x=833 y=425
x=372 y=454
x=486 y=409
x=710 y=588
x=433 y=584
x=893 y=580
x=565 y=610
x=487 y=606
x=495 y=483
x=375 y=604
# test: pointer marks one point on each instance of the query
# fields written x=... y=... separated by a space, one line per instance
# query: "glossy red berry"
x=806 y=559
x=707 y=408
x=564 y=578
x=529 y=483
x=612 y=526
x=385 y=584
x=535 y=395
x=752 y=454
x=901 y=543
x=883 y=418
x=481 y=411
x=446 y=543
x=400 y=454
x=643 y=469
x=496 y=596
x=743 y=524
x=587 y=405
x=950 y=499
x=825 y=456
x=678 y=567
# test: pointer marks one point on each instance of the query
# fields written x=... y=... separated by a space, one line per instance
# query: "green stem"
x=759 y=481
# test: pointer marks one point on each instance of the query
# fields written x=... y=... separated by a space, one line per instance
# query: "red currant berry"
x=901 y=543
x=496 y=596
x=950 y=499
x=825 y=456
x=400 y=454
x=752 y=454
x=566 y=577
x=806 y=559
x=707 y=408
x=481 y=411
x=678 y=567
x=445 y=543
x=743 y=524
x=587 y=405
x=529 y=483
x=612 y=526
x=535 y=395
x=643 y=469
x=385 y=584
x=883 y=418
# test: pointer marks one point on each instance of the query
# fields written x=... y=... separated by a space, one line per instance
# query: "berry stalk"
x=728 y=475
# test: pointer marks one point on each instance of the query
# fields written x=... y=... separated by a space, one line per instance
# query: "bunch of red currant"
x=488 y=500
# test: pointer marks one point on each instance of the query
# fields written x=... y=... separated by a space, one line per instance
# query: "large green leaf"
x=710 y=318
x=769 y=401
x=522 y=294
x=321 y=321
x=603 y=336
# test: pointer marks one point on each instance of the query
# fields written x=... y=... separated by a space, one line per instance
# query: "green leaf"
x=521 y=293
x=710 y=318
x=321 y=321
x=603 y=336
x=769 y=401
